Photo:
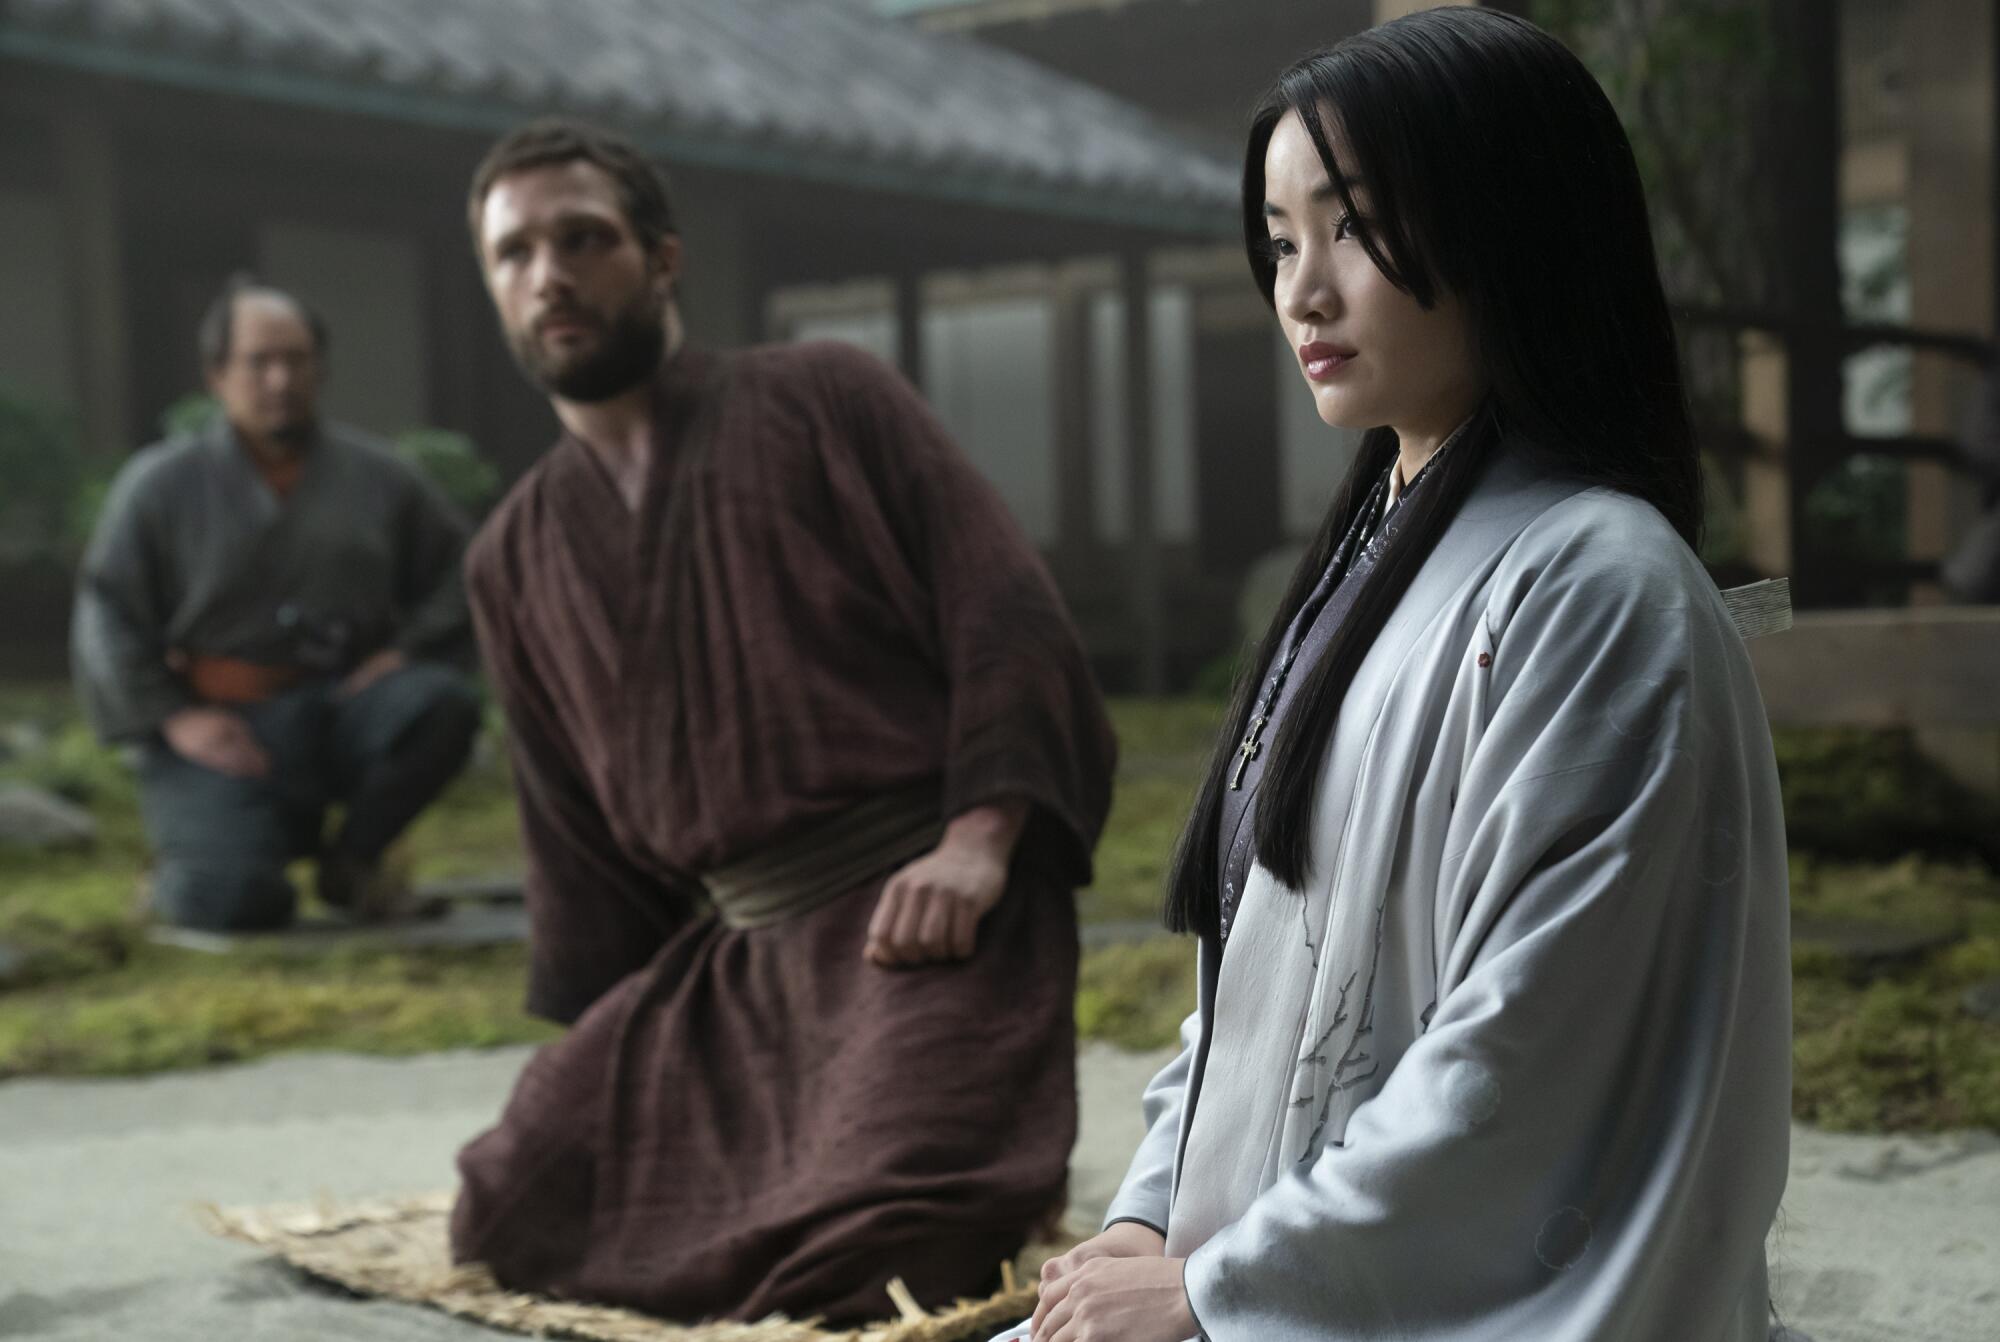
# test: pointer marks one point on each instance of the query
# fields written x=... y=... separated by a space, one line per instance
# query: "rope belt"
x=843 y=853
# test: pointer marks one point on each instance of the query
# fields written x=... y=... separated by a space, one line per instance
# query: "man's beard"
x=633 y=342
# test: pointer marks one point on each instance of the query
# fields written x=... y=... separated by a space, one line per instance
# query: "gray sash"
x=799 y=874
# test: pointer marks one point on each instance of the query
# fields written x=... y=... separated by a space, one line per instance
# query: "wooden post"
x=1810 y=225
x=1148 y=592
x=1950 y=196
x=910 y=327
x=1071 y=377
x=460 y=310
x=86 y=153
x=1767 y=496
x=756 y=311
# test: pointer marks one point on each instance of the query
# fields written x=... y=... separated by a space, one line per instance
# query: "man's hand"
x=217 y=739
x=1106 y=1299
x=930 y=910
x=372 y=670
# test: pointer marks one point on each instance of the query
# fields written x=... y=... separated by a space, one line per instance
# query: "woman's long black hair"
x=1497 y=173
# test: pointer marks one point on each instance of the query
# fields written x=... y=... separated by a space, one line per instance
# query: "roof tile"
x=797 y=75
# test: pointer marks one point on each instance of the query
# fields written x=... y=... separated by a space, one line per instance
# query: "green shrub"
x=188 y=415
x=1723 y=540
x=40 y=475
x=1147 y=813
x=1871 y=796
x=75 y=765
x=1217 y=676
x=1137 y=995
x=167 y=1009
x=453 y=464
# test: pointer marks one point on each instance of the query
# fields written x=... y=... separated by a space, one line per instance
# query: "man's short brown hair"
x=642 y=186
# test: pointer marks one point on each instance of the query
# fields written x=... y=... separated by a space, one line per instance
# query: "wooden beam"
x=1386 y=10
x=1921 y=667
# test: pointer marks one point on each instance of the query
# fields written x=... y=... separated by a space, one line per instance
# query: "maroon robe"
x=818 y=601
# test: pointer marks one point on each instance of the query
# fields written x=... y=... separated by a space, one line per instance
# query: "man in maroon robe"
x=809 y=764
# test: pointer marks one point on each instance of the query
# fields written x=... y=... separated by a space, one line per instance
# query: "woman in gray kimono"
x=1488 y=870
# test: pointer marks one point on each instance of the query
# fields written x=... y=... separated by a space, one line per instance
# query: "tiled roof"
x=822 y=88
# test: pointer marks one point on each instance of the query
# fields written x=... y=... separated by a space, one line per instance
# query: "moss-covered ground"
x=1887 y=1050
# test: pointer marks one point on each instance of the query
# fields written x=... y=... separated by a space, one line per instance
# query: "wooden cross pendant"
x=1251 y=748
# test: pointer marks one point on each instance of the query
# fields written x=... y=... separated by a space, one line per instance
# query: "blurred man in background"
x=270 y=610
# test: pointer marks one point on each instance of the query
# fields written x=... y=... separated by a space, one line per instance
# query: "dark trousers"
x=221 y=844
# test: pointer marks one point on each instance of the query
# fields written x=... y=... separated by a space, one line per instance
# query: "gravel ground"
x=1883 y=1239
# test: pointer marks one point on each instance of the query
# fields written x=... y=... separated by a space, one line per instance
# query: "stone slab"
x=40 y=821
x=465 y=925
x=501 y=887
x=1122 y=932
x=1872 y=946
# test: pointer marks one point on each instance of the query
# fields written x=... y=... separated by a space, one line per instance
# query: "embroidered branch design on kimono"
x=1355 y=1065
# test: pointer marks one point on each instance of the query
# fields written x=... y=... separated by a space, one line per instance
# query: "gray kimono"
x=194 y=553
x=1515 y=1063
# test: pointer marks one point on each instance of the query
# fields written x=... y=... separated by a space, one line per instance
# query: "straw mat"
x=396 y=1249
